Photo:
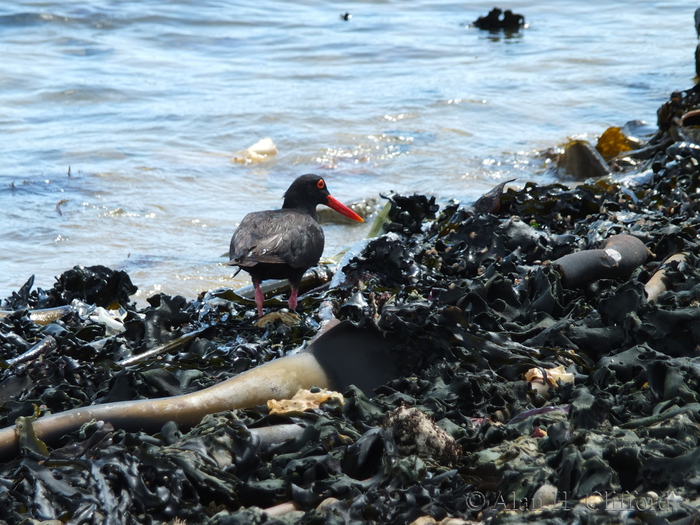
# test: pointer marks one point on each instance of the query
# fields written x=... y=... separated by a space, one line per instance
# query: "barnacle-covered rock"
x=415 y=433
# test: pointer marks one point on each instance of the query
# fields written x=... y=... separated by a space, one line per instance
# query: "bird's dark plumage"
x=283 y=244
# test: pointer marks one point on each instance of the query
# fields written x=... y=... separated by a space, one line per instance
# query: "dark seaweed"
x=473 y=298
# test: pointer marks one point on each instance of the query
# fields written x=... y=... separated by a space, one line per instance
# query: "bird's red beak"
x=341 y=208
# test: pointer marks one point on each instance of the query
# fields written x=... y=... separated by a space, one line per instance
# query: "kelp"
x=473 y=296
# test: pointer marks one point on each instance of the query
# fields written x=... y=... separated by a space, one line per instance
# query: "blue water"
x=119 y=119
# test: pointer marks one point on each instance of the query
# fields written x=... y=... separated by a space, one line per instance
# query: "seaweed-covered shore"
x=609 y=433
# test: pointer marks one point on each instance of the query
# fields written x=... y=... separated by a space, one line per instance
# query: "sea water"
x=120 y=119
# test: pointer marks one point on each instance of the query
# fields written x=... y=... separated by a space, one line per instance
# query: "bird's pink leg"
x=293 y=298
x=258 y=298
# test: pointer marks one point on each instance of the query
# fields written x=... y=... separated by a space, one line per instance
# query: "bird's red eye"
x=321 y=184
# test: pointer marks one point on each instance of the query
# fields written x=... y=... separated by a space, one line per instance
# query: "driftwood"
x=42 y=316
x=46 y=345
x=170 y=346
x=659 y=282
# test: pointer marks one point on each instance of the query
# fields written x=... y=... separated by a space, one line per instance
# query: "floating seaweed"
x=500 y=20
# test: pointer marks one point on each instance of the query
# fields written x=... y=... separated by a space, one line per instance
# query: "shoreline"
x=479 y=305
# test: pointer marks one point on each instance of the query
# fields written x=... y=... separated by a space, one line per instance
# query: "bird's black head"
x=308 y=191
x=305 y=193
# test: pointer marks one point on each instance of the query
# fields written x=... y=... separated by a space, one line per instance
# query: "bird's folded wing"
x=293 y=239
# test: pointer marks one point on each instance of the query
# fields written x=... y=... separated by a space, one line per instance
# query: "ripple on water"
x=146 y=102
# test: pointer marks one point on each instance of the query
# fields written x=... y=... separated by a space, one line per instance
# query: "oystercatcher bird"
x=283 y=244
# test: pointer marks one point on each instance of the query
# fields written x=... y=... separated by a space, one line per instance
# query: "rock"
x=415 y=433
x=544 y=496
x=424 y=520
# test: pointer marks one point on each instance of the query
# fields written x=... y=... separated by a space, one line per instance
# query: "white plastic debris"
x=542 y=380
x=261 y=151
